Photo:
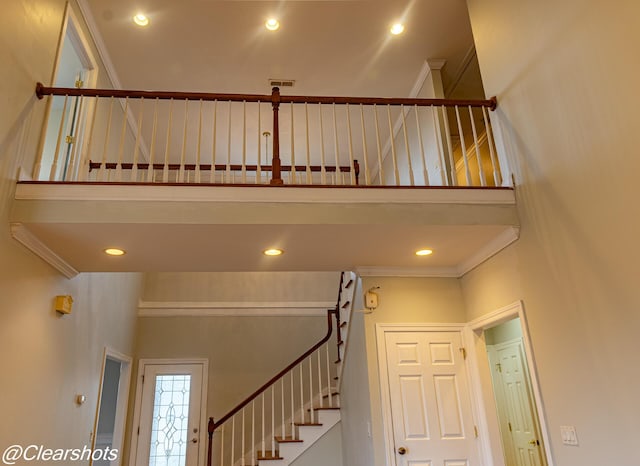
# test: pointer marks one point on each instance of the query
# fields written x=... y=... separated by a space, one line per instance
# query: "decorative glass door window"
x=169 y=415
x=169 y=428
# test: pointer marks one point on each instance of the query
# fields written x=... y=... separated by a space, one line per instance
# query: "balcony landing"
x=225 y=228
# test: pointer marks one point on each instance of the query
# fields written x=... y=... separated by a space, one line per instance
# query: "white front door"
x=518 y=407
x=170 y=416
x=431 y=413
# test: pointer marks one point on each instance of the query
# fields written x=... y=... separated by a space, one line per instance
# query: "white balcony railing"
x=160 y=137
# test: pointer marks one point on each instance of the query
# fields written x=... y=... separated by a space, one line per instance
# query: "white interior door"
x=518 y=405
x=170 y=415
x=429 y=398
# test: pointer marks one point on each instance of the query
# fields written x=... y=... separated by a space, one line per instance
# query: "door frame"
x=122 y=404
x=481 y=384
x=383 y=375
x=142 y=363
x=71 y=27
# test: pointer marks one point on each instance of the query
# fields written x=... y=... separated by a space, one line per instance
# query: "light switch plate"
x=569 y=436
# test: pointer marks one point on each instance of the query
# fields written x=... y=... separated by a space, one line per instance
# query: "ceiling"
x=329 y=47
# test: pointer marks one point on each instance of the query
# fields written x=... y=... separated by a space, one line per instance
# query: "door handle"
x=402 y=450
x=194 y=440
x=534 y=442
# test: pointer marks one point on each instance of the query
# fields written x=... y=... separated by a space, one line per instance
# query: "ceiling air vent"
x=281 y=82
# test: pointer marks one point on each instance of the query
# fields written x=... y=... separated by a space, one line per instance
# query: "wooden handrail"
x=274 y=97
x=213 y=426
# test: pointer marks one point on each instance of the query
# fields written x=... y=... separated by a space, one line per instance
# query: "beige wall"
x=326 y=451
x=565 y=74
x=404 y=300
x=47 y=359
x=242 y=286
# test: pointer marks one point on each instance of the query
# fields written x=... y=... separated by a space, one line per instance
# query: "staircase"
x=290 y=448
x=293 y=410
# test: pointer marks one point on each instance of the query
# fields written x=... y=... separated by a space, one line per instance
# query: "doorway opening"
x=62 y=137
x=517 y=434
x=112 y=407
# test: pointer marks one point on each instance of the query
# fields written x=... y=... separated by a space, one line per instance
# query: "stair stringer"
x=309 y=435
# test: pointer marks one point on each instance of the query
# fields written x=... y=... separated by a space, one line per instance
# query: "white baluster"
x=335 y=141
x=86 y=158
x=392 y=139
x=222 y=446
x=103 y=162
x=293 y=409
x=183 y=154
x=463 y=147
x=320 y=381
x=54 y=165
x=212 y=175
x=167 y=149
x=244 y=141
x=229 y=144
x=263 y=432
x=329 y=377
x=152 y=150
x=273 y=419
x=136 y=149
x=233 y=440
x=72 y=162
x=253 y=433
x=425 y=171
x=259 y=165
x=352 y=174
x=199 y=145
x=282 y=406
x=123 y=133
x=496 y=173
x=306 y=116
x=242 y=444
x=302 y=420
x=380 y=169
x=447 y=130
x=293 y=177
x=483 y=180
x=311 y=388
x=406 y=145
x=365 y=155
x=437 y=134
x=323 y=170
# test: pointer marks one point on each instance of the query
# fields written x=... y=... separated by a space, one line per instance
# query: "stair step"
x=338 y=361
x=333 y=394
x=288 y=440
x=348 y=285
x=346 y=304
x=306 y=424
x=343 y=324
x=325 y=409
x=269 y=455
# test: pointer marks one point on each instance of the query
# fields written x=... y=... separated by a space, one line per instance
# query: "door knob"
x=402 y=450
x=194 y=440
x=534 y=442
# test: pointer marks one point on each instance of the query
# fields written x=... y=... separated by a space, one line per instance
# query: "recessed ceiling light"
x=272 y=24
x=424 y=252
x=273 y=252
x=141 y=20
x=397 y=29
x=115 y=252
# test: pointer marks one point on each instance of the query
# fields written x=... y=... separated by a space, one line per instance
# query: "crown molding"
x=233 y=308
x=21 y=234
x=490 y=249
x=427 y=272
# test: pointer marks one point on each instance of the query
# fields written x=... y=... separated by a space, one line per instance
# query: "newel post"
x=276 y=178
x=210 y=429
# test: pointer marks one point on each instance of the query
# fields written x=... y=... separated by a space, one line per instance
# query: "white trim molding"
x=228 y=308
x=474 y=340
x=490 y=249
x=21 y=234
